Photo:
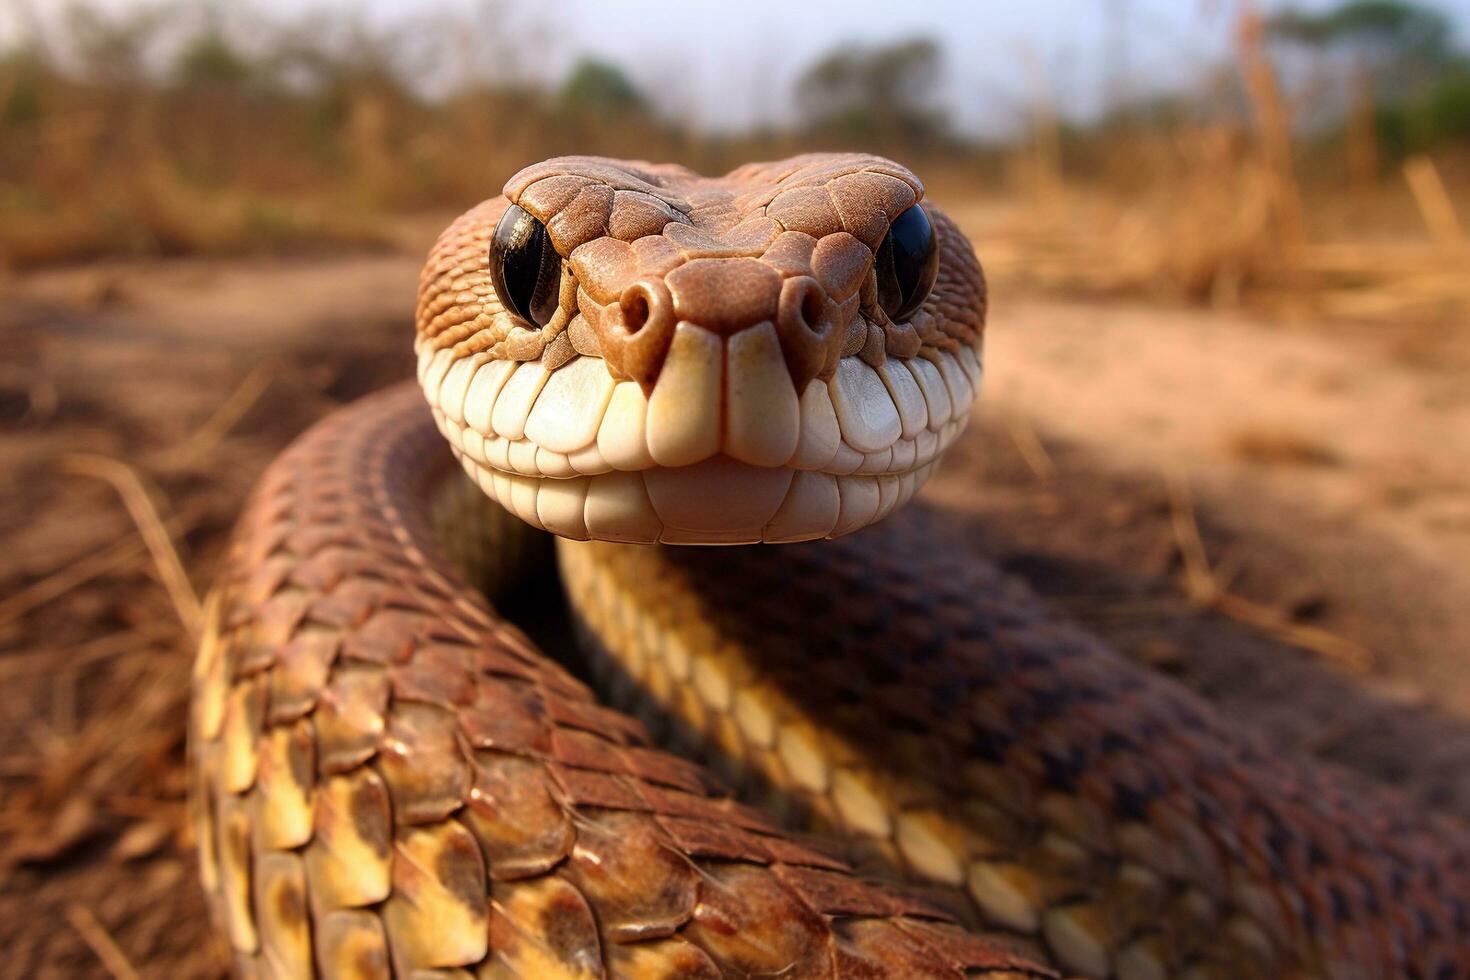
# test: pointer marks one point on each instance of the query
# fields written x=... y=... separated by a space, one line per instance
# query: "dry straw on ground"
x=1225 y=215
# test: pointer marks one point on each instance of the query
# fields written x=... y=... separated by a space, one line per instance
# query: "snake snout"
x=724 y=297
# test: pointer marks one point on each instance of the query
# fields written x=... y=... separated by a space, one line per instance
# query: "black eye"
x=524 y=268
x=906 y=264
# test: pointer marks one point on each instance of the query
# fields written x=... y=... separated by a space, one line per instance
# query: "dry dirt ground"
x=1279 y=515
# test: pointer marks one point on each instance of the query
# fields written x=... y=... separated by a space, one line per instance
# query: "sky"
x=732 y=63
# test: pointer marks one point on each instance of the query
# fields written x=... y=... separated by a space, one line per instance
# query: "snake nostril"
x=805 y=317
x=804 y=304
x=642 y=327
x=635 y=311
x=645 y=303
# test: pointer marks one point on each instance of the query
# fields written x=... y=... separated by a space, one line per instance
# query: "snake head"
x=633 y=352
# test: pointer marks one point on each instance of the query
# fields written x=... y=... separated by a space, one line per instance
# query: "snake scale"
x=905 y=767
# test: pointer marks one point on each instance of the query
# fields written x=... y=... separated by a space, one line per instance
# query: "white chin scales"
x=717 y=501
x=722 y=451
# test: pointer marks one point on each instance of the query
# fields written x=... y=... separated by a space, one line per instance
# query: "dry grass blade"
x=135 y=497
x=1199 y=579
x=1029 y=445
x=1434 y=202
x=100 y=942
x=1203 y=588
x=226 y=417
x=1313 y=638
x=1273 y=129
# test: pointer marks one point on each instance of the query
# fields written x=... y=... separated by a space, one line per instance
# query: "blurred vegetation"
x=885 y=93
x=600 y=90
x=187 y=128
x=1399 y=60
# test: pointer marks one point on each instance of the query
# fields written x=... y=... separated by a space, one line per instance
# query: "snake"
x=501 y=720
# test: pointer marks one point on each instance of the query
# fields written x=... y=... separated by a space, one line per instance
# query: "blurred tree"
x=876 y=92
x=23 y=79
x=1408 y=83
x=1402 y=43
x=209 y=60
x=1389 y=28
x=1441 y=116
x=599 y=90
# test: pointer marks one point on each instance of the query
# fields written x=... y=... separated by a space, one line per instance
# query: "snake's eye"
x=906 y=264
x=524 y=267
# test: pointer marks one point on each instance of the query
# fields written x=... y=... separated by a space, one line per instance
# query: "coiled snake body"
x=390 y=780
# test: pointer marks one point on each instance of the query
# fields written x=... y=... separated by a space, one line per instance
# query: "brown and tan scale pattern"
x=390 y=781
x=914 y=704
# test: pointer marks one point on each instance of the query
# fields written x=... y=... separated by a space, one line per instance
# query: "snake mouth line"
x=577 y=453
x=717 y=501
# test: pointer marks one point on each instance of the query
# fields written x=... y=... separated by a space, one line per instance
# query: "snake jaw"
x=720 y=452
x=718 y=369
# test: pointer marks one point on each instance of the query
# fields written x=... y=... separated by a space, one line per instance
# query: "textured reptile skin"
x=391 y=781
x=891 y=693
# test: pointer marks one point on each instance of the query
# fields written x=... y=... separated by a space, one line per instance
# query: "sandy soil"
x=1327 y=470
x=1352 y=443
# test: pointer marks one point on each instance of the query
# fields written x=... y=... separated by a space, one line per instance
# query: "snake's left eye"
x=906 y=264
x=524 y=267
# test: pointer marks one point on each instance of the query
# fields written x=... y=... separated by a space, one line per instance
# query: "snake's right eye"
x=906 y=264
x=524 y=267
